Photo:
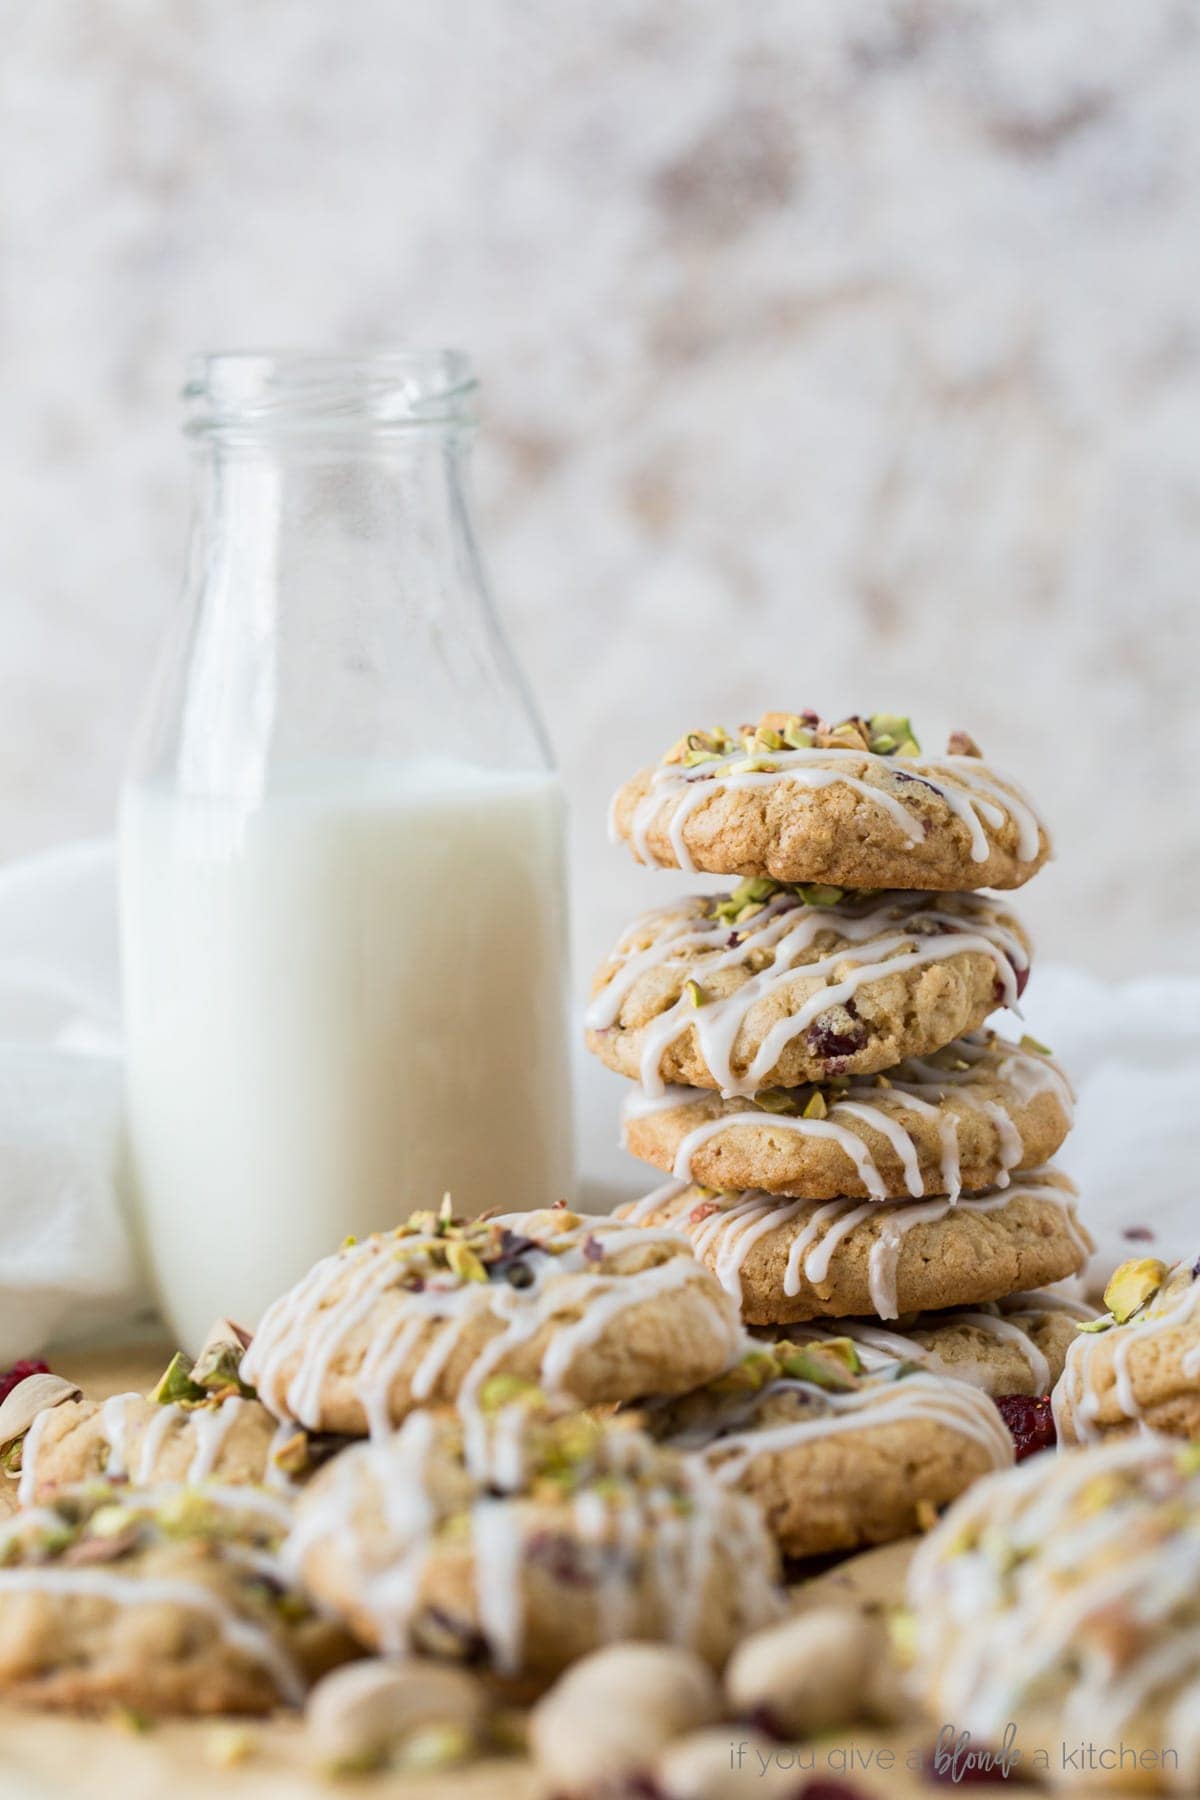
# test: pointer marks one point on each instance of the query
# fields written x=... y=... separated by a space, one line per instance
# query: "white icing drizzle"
x=242 y=1635
x=971 y=791
x=1078 y=1398
x=114 y=1422
x=129 y=1588
x=920 y=1085
x=994 y=1635
x=934 y=1398
x=638 y=1529
x=725 y=1236
x=568 y=1288
x=895 y=933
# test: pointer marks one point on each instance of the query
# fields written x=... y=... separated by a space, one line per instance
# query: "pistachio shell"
x=357 y=1714
x=30 y=1397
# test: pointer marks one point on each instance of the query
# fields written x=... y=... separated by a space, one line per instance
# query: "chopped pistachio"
x=820 y=1364
x=1132 y=1285
x=125 y=1718
x=752 y=892
x=292 y=1456
x=776 y=1100
x=1104 y=1323
x=228 y=1746
x=111 y=1521
x=1031 y=1044
x=961 y=743
x=464 y=1262
x=504 y=1390
x=175 y=1384
x=888 y=734
x=816 y=1107
x=819 y=893
x=443 y=1745
x=754 y=1371
x=902 y=1633
x=694 y=992
x=797 y=736
x=1187 y=1459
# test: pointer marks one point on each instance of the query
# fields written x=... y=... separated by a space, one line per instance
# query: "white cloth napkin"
x=68 y=1263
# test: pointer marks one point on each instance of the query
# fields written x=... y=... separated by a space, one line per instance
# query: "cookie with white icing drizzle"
x=774 y=986
x=1063 y=1598
x=525 y=1537
x=164 y=1600
x=228 y=1439
x=1017 y=1345
x=960 y=1120
x=839 y=1444
x=1138 y=1367
x=855 y=805
x=586 y=1307
x=785 y=1260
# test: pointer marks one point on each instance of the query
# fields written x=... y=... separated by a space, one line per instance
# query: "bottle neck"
x=336 y=615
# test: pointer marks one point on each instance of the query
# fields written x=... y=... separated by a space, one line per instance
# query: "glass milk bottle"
x=341 y=847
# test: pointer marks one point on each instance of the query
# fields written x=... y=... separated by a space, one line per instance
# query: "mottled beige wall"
x=836 y=354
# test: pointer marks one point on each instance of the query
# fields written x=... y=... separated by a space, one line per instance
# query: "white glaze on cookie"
x=1077 y=1399
x=725 y=1235
x=920 y=1085
x=971 y=792
x=210 y=1426
x=734 y=1438
x=1068 y=1584
x=1008 y=1321
x=623 y=1505
x=885 y=937
x=124 y=1587
x=570 y=1279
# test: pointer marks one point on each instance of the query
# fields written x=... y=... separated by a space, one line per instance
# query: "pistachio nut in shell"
x=28 y=1399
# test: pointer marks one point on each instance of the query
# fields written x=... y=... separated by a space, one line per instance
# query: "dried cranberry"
x=593 y=1249
x=1000 y=988
x=19 y=1372
x=563 y=1559
x=1138 y=1234
x=1031 y=1422
x=829 y=1045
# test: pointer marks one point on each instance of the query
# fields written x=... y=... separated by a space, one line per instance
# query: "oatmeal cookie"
x=853 y=805
x=427 y=1313
x=787 y=1260
x=840 y=1447
x=958 y=1121
x=1062 y=1599
x=1139 y=1365
x=163 y=1600
x=763 y=987
x=523 y=1537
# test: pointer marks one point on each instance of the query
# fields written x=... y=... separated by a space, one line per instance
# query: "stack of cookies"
x=846 y=1139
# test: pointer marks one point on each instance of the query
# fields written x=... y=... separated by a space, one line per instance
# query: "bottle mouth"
x=234 y=392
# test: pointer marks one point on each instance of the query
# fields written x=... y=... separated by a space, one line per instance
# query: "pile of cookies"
x=847 y=1141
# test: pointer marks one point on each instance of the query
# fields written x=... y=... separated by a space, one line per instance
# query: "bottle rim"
x=391 y=389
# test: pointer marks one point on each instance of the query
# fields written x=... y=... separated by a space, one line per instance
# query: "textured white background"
x=836 y=354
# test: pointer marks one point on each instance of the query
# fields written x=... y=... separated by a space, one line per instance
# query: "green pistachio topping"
x=1031 y=1044
x=175 y=1384
x=1132 y=1285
